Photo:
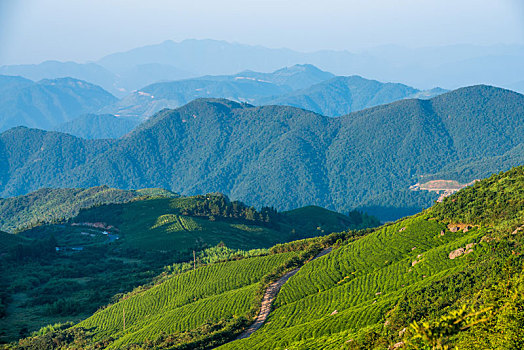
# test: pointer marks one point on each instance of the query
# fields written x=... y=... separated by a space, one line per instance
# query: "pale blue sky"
x=35 y=30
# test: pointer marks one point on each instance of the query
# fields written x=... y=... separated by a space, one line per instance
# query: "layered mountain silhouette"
x=446 y=66
x=280 y=155
x=303 y=86
x=246 y=86
x=47 y=103
x=343 y=95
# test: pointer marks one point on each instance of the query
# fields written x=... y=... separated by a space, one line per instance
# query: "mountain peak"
x=301 y=68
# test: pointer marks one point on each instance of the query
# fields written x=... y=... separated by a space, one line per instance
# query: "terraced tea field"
x=186 y=301
x=352 y=288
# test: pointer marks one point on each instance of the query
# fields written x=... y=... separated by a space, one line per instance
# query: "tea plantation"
x=451 y=276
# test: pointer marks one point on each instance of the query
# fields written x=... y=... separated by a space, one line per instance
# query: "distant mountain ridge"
x=96 y=126
x=247 y=86
x=298 y=76
x=447 y=66
x=343 y=95
x=47 y=103
x=282 y=156
x=302 y=86
x=112 y=118
x=118 y=82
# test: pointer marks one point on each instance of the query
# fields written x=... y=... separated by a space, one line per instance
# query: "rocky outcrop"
x=461 y=251
x=456 y=253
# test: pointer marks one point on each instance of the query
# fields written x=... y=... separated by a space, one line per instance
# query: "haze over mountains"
x=284 y=156
x=169 y=75
x=384 y=139
x=343 y=95
x=424 y=68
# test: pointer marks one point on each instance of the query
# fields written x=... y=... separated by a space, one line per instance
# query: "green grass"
x=55 y=204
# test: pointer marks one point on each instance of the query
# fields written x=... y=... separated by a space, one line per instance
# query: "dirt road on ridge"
x=270 y=295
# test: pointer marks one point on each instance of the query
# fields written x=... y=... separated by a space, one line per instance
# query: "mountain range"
x=447 y=66
x=283 y=156
x=302 y=86
x=343 y=95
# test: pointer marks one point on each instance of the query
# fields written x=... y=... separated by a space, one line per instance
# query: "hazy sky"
x=35 y=30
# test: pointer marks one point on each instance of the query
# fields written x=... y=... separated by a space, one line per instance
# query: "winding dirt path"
x=270 y=295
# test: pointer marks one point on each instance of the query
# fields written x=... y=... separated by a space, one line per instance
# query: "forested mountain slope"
x=47 y=103
x=283 y=156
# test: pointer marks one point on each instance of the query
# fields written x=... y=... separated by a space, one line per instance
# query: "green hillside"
x=48 y=205
x=361 y=295
x=65 y=271
x=449 y=276
x=282 y=156
x=187 y=223
x=47 y=103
